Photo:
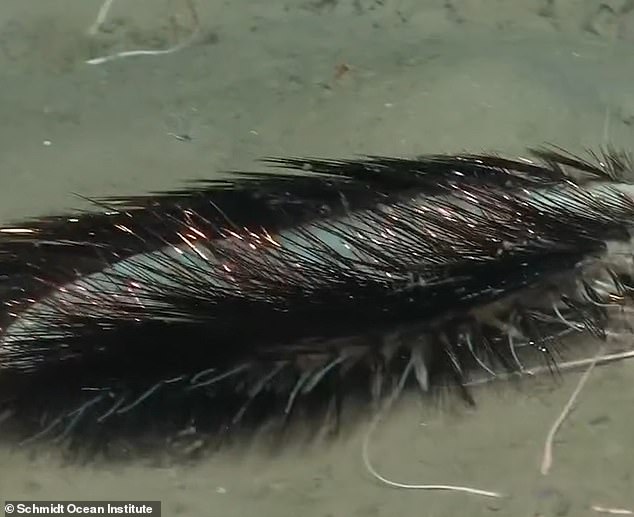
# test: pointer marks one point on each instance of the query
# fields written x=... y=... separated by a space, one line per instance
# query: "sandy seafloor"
x=263 y=79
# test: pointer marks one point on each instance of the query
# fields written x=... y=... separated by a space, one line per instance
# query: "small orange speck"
x=342 y=69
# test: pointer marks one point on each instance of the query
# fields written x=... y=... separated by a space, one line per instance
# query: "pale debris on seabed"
x=612 y=511
x=101 y=18
x=547 y=459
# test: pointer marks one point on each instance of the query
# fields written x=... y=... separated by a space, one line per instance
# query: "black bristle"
x=274 y=297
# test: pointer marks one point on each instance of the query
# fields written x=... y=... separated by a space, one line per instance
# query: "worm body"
x=274 y=296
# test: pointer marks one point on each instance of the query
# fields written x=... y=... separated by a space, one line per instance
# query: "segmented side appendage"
x=249 y=300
